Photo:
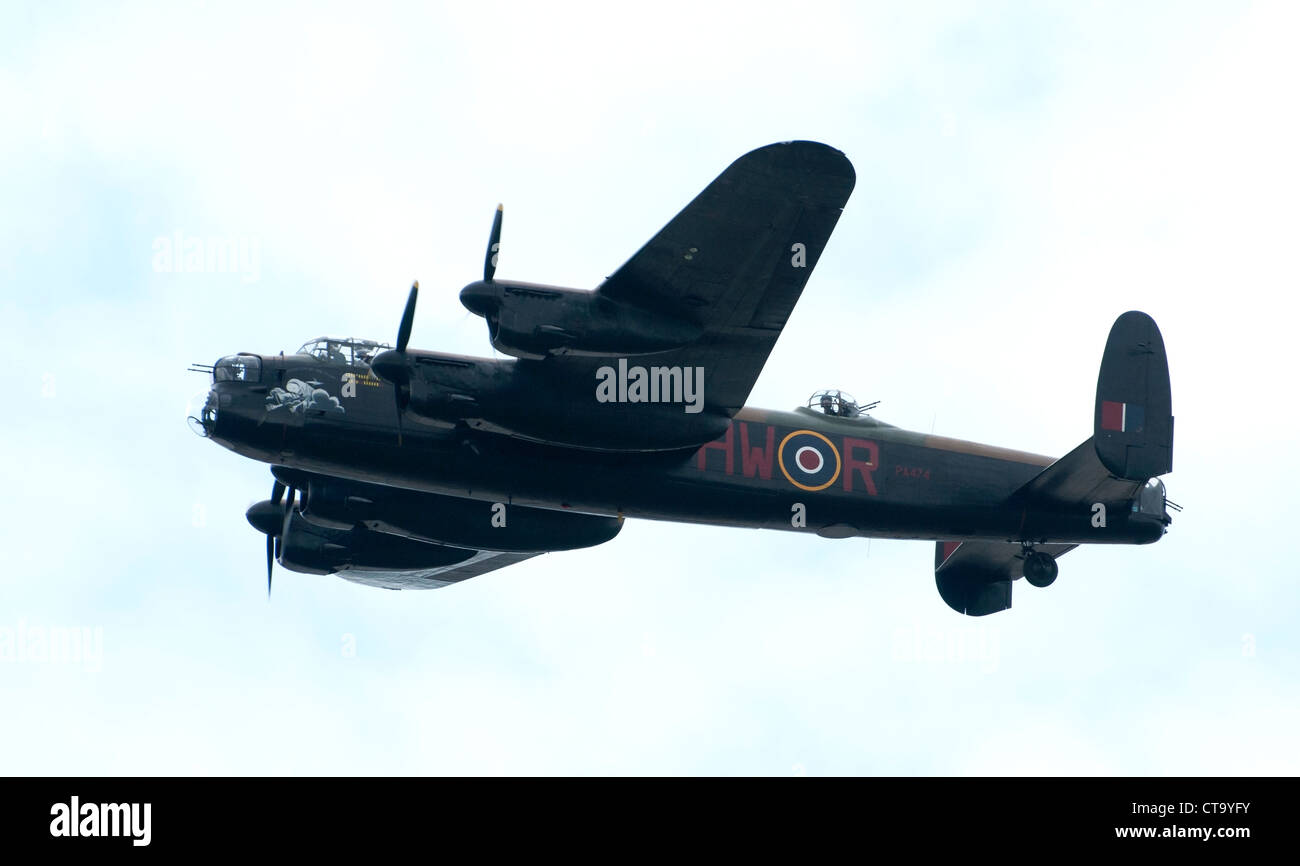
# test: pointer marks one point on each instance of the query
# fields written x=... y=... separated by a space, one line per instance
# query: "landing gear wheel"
x=1040 y=569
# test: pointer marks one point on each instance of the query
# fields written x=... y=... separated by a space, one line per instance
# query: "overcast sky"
x=1026 y=172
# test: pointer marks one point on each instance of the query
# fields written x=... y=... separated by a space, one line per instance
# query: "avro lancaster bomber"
x=404 y=468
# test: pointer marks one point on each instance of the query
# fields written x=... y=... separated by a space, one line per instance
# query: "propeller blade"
x=270 y=559
x=398 y=402
x=408 y=318
x=288 y=509
x=494 y=246
x=391 y=367
x=277 y=490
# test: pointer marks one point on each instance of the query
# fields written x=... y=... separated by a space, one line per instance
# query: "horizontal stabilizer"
x=1133 y=425
x=1078 y=477
x=974 y=577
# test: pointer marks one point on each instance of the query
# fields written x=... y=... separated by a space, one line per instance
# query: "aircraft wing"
x=480 y=563
x=736 y=259
x=974 y=577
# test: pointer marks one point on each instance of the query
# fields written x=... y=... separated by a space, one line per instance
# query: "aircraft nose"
x=480 y=298
x=201 y=412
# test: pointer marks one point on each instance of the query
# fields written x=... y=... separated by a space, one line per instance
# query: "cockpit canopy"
x=838 y=403
x=343 y=350
x=238 y=368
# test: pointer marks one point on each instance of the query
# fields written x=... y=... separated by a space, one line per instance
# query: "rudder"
x=1133 y=424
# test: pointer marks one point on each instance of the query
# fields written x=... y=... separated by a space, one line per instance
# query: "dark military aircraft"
x=403 y=468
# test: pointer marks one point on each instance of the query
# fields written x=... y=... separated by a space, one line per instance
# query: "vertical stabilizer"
x=1133 y=425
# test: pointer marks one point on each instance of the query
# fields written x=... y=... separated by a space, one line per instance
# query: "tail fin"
x=1133 y=428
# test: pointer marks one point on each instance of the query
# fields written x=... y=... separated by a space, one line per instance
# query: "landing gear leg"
x=1040 y=568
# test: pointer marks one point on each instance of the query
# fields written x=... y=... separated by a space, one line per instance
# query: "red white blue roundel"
x=808 y=460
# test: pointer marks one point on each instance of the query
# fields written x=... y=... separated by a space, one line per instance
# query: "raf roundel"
x=808 y=460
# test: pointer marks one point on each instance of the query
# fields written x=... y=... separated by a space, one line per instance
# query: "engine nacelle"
x=519 y=398
x=532 y=321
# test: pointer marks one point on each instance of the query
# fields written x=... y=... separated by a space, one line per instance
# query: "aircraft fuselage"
x=799 y=471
